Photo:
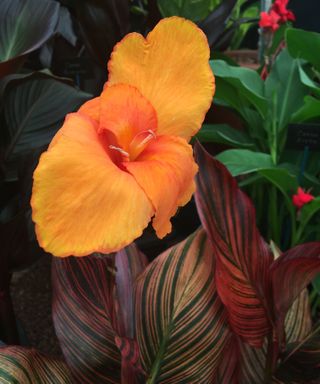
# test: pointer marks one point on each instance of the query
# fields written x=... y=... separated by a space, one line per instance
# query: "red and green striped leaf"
x=290 y=274
x=129 y=263
x=94 y=315
x=83 y=315
x=22 y=365
x=243 y=364
x=181 y=323
x=242 y=256
x=301 y=361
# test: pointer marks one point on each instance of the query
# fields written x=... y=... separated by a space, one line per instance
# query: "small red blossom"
x=280 y=7
x=269 y=20
x=301 y=198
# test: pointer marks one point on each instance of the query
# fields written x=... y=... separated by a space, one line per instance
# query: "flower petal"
x=82 y=202
x=165 y=170
x=171 y=69
x=126 y=113
x=91 y=108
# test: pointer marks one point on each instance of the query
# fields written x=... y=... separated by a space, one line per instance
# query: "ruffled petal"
x=91 y=109
x=171 y=69
x=165 y=170
x=126 y=113
x=82 y=202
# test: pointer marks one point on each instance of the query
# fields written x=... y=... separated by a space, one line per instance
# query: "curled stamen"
x=124 y=153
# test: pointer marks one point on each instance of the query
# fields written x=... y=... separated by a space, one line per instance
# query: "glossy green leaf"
x=180 y=320
x=244 y=82
x=194 y=10
x=304 y=45
x=307 y=213
x=24 y=27
x=214 y=25
x=307 y=81
x=34 y=107
x=224 y=134
x=284 y=89
x=242 y=257
x=285 y=181
x=308 y=111
x=243 y=161
x=102 y=23
x=20 y=365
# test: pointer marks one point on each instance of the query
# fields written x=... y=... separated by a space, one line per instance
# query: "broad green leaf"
x=194 y=10
x=283 y=180
x=214 y=25
x=308 y=111
x=304 y=45
x=24 y=27
x=20 y=365
x=34 y=108
x=243 y=161
x=180 y=320
x=307 y=81
x=284 y=90
x=242 y=256
x=245 y=83
x=224 y=134
x=307 y=212
x=102 y=24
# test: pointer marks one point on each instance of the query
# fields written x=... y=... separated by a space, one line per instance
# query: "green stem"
x=274 y=131
x=275 y=227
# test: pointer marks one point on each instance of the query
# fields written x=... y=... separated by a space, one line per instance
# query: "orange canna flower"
x=123 y=159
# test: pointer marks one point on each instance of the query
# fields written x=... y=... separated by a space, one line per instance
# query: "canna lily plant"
x=219 y=307
x=107 y=172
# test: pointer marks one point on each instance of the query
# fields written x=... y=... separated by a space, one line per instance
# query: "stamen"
x=147 y=139
x=124 y=153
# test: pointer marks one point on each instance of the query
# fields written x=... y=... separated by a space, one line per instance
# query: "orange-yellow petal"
x=165 y=170
x=82 y=202
x=126 y=113
x=91 y=108
x=171 y=69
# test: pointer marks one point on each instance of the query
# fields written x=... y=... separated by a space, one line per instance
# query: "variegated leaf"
x=290 y=274
x=243 y=258
x=301 y=361
x=20 y=365
x=84 y=314
x=180 y=320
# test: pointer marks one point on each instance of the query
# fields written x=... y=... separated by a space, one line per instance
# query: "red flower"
x=301 y=198
x=269 y=20
x=280 y=7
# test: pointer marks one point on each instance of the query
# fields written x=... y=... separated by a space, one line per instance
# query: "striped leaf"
x=27 y=366
x=290 y=274
x=242 y=257
x=180 y=320
x=84 y=315
x=93 y=315
x=301 y=361
x=130 y=262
